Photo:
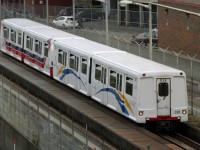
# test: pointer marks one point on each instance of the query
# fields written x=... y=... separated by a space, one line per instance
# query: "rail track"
x=180 y=142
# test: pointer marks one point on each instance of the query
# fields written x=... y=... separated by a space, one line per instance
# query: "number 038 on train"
x=137 y=88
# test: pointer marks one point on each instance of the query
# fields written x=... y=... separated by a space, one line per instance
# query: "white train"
x=137 y=88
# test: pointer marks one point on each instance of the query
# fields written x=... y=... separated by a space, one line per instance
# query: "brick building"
x=66 y=3
x=43 y=2
x=179 y=31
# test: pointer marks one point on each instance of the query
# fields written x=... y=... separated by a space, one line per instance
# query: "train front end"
x=163 y=100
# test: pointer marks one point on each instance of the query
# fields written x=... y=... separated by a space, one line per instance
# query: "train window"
x=113 y=79
x=77 y=63
x=119 y=82
x=46 y=49
x=129 y=86
x=163 y=89
x=74 y=62
x=38 y=47
x=98 y=72
x=60 y=56
x=84 y=66
x=13 y=36
x=104 y=72
x=6 y=33
x=29 y=43
x=19 y=38
x=65 y=58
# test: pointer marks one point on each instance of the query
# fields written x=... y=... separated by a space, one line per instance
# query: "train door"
x=73 y=72
x=38 y=56
x=163 y=96
x=5 y=43
x=115 y=90
x=28 y=50
x=99 y=84
x=83 y=83
x=19 y=45
x=60 y=64
x=13 y=50
x=46 y=58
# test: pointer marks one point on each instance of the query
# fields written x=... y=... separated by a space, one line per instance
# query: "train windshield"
x=163 y=89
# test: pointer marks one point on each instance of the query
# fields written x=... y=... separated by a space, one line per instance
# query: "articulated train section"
x=57 y=117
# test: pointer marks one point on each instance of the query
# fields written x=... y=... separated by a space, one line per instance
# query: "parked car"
x=88 y=15
x=144 y=37
x=65 y=22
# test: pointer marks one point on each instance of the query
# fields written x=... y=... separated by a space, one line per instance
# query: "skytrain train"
x=137 y=88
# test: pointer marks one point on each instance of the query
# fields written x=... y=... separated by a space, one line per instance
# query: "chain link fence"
x=120 y=36
x=41 y=124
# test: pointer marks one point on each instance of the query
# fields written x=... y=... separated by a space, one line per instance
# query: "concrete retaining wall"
x=7 y=136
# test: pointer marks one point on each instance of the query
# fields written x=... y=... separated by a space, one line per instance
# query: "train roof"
x=50 y=32
x=21 y=22
x=38 y=28
x=86 y=46
x=139 y=65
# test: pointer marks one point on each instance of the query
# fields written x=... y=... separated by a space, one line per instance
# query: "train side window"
x=13 y=36
x=84 y=66
x=65 y=58
x=60 y=56
x=163 y=89
x=74 y=62
x=98 y=72
x=29 y=43
x=129 y=86
x=46 y=49
x=19 y=40
x=116 y=80
x=119 y=82
x=38 y=47
x=103 y=78
x=6 y=33
x=113 y=79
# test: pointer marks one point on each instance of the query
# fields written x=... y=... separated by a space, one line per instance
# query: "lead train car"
x=137 y=88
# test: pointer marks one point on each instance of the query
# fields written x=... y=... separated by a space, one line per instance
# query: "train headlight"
x=140 y=113
x=184 y=112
